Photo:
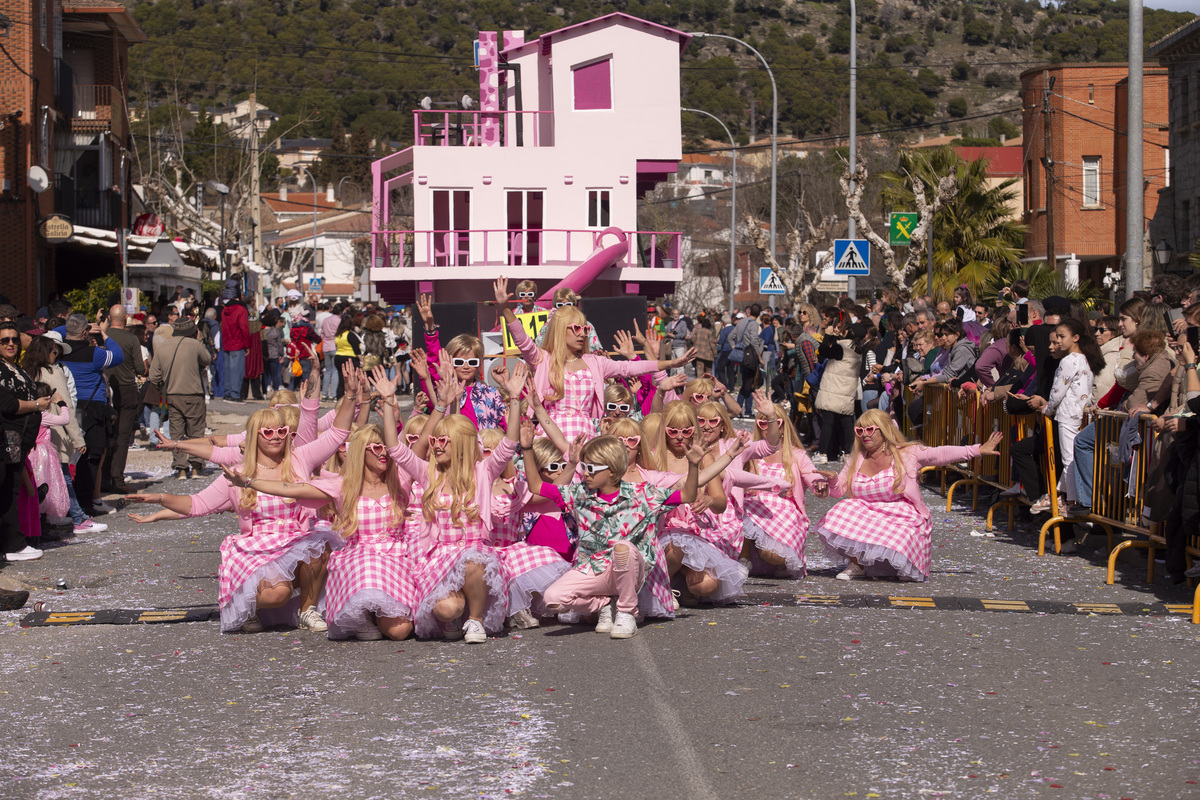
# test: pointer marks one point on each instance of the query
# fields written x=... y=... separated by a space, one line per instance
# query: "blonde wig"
x=651 y=431
x=609 y=451
x=263 y=418
x=415 y=425
x=545 y=452
x=353 y=477
x=789 y=441
x=714 y=409
x=283 y=397
x=676 y=414
x=526 y=286
x=566 y=296
x=619 y=393
x=556 y=347
x=893 y=441
x=697 y=386
x=458 y=477
x=627 y=427
x=465 y=343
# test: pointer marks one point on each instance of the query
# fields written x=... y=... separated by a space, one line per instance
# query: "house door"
x=524 y=227
x=452 y=226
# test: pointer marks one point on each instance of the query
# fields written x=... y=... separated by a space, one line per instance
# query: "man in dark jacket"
x=235 y=339
x=126 y=399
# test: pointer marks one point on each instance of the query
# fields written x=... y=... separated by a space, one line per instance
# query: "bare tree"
x=799 y=278
x=944 y=192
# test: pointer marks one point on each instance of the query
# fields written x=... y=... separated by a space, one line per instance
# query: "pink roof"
x=617 y=17
x=1003 y=162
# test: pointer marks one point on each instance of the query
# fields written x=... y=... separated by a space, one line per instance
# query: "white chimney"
x=329 y=198
x=283 y=192
x=1002 y=138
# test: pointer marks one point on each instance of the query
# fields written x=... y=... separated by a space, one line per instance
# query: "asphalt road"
x=767 y=699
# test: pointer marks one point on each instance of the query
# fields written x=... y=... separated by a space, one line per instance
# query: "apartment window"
x=598 y=208
x=1092 y=93
x=593 y=85
x=1091 y=180
x=1032 y=197
x=1185 y=100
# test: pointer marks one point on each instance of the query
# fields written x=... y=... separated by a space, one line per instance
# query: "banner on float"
x=532 y=323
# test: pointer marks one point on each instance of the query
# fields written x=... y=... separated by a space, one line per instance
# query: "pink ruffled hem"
x=355 y=614
x=244 y=602
x=702 y=556
x=522 y=588
x=793 y=559
x=877 y=560
x=427 y=625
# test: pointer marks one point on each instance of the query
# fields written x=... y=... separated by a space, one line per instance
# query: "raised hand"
x=991 y=446
x=234 y=476
x=448 y=391
x=676 y=381
x=576 y=448
x=686 y=358
x=420 y=364
x=383 y=384
x=719 y=390
x=653 y=344
x=515 y=382
x=350 y=378
x=638 y=336
x=739 y=444
x=696 y=452
x=624 y=345
x=164 y=442
x=527 y=432
x=421 y=401
x=425 y=308
x=499 y=372
x=763 y=404
x=500 y=288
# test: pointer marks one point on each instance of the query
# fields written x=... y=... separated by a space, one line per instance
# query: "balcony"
x=98 y=109
x=455 y=128
x=535 y=254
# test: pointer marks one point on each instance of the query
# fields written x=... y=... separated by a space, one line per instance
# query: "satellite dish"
x=39 y=181
x=426 y=103
x=467 y=101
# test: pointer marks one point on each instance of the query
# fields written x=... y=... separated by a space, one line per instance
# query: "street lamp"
x=732 y=208
x=300 y=269
x=222 y=190
x=774 y=124
x=851 y=229
x=1163 y=253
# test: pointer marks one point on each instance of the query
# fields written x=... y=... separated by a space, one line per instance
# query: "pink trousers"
x=586 y=593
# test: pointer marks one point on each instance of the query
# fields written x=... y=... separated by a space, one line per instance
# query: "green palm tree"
x=974 y=236
x=1043 y=282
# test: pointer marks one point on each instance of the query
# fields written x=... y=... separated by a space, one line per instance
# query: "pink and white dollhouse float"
x=541 y=181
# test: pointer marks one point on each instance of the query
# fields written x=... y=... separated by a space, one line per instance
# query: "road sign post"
x=769 y=282
x=316 y=286
x=851 y=257
x=900 y=228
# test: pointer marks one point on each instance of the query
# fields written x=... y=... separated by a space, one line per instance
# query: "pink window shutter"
x=593 y=86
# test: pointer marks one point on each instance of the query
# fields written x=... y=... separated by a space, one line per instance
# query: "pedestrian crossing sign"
x=769 y=282
x=851 y=257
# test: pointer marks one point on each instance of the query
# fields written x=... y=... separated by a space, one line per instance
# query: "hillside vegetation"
x=363 y=65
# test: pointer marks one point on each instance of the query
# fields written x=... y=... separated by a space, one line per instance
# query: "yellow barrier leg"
x=1196 y=606
x=1112 y=558
x=1053 y=522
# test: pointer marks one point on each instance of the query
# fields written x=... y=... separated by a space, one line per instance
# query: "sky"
x=1173 y=5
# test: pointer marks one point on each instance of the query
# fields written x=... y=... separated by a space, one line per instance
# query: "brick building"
x=63 y=110
x=1178 y=220
x=1088 y=105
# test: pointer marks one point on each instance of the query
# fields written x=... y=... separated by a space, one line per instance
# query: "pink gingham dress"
x=575 y=413
x=777 y=524
x=279 y=540
x=879 y=528
x=527 y=569
x=372 y=574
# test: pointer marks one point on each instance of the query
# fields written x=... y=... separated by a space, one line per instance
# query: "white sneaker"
x=675 y=599
x=1012 y=491
x=28 y=554
x=311 y=619
x=371 y=634
x=252 y=625
x=1041 y=506
x=90 y=526
x=473 y=632
x=523 y=620
x=605 y=623
x=624 y=627
x=851 y=572
x=820 y=458
x=453 y=631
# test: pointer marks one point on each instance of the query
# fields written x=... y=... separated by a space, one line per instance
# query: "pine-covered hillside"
x=328 y=65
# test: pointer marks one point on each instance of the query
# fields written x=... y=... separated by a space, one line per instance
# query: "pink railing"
x=517 y=248
x=456 y=128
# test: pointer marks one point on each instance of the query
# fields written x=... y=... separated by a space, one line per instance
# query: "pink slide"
x=591 y=268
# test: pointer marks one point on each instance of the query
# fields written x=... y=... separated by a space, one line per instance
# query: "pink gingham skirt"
x=370 y=575
x=880 y=529
x=777 y=524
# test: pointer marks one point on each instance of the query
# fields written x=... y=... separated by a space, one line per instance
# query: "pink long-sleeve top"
x=486 y=472
x=49 y=420
x=804 y=473
x=221 y=495
x=913 y=457
x=600 y=367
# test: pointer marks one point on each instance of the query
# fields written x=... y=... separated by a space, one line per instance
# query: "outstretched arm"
x=292 y=489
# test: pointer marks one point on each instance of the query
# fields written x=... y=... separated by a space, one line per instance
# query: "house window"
x=593 y=85
x=44 y=144
x=1091 y=180
x=1092 y=93
x=1032 y=198
x=598 y=208
x=708 y=175
x=1184 y=100
x=42 y=22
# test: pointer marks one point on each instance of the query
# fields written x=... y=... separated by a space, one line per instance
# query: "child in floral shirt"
x=616 y=532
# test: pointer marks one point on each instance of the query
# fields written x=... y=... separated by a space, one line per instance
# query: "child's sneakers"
x=453 y=630
x=523 y=620
x=624 y=627
x=605 y=623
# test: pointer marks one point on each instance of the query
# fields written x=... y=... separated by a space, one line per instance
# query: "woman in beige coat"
x=838 y=392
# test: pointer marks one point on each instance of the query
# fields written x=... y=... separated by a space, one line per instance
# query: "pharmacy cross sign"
x=851 y=257
x=901 y=227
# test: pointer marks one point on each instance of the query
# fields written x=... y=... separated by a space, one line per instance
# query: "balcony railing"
x=519 y=248
x=455 y=128
x=97 y=106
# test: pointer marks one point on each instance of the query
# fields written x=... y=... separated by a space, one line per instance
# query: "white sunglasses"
x=592 y=469
x=618 y=407
x=560 y=305
x=555 y=466
x=525 y=295
x=465 y=362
